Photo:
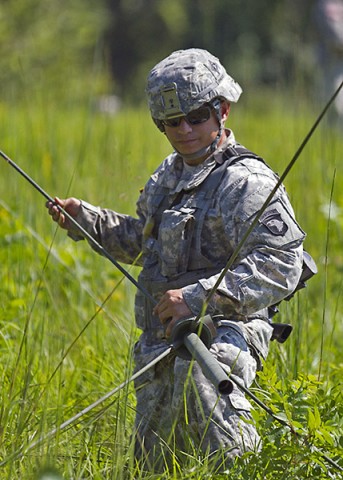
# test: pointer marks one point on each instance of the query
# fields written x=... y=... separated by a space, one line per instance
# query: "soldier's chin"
x=188 y=147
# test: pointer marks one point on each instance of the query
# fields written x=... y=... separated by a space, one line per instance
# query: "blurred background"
x=73 y=115
x=107 y=47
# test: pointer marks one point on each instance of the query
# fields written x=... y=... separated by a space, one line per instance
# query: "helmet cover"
x=185 y=80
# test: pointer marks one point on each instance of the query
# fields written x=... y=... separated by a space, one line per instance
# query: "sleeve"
x=268 y=265
x=119 y=234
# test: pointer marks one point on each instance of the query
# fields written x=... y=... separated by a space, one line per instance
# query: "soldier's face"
x=188 y=139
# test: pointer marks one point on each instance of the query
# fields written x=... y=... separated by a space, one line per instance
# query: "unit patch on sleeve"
x=273 y=221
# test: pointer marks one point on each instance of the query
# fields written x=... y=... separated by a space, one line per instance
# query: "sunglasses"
x=201 y=115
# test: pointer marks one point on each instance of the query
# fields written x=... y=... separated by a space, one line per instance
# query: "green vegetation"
x=66 y=315
x=44 y=43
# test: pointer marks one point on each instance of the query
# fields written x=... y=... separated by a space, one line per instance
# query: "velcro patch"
x=273 y=221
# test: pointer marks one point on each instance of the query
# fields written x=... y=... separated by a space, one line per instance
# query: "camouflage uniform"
x=188 y=255
x=187 y=226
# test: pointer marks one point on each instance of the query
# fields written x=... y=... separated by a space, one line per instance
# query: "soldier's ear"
x=225 y=109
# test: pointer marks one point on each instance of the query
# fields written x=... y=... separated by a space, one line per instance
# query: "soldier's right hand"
x=70 y=205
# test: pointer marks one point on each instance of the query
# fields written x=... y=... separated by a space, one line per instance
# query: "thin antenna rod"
x=99 y=247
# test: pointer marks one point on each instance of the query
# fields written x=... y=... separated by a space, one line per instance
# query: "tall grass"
x=66 y=325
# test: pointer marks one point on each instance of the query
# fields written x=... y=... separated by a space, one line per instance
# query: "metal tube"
x=209 y=365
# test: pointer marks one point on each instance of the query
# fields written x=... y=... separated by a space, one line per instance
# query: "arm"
x=120 y=235
x=269 y=264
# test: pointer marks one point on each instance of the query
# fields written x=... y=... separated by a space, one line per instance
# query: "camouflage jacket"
x=186 y=236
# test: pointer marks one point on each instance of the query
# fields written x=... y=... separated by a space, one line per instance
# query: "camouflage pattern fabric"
x=186 y=245
x=177 y=405
x=198 y=78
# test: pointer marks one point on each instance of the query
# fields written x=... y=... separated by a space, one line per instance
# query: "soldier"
x=191 y=215
x=328 y=19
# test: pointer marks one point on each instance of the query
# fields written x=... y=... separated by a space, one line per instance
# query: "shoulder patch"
x=272 y=220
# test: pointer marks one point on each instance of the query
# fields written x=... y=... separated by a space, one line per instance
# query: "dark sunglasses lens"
x=173 y=122
x=200 y=115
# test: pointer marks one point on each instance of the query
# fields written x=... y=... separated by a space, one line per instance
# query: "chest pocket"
x=175 y=235
x=180 y=222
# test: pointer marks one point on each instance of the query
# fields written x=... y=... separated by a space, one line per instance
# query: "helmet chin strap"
x=206 y=151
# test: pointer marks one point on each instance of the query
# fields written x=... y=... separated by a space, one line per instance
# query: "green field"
x=66 y=324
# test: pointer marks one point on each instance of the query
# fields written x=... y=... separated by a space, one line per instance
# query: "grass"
x=66 y=314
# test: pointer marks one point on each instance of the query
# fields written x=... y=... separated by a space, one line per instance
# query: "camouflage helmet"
x=185 y=80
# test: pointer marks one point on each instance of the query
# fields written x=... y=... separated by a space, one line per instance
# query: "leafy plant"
x=66 y=317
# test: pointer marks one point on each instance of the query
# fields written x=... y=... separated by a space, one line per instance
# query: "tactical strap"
x=231 y=155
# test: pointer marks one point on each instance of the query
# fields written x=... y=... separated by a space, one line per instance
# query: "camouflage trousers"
x=179 y=412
